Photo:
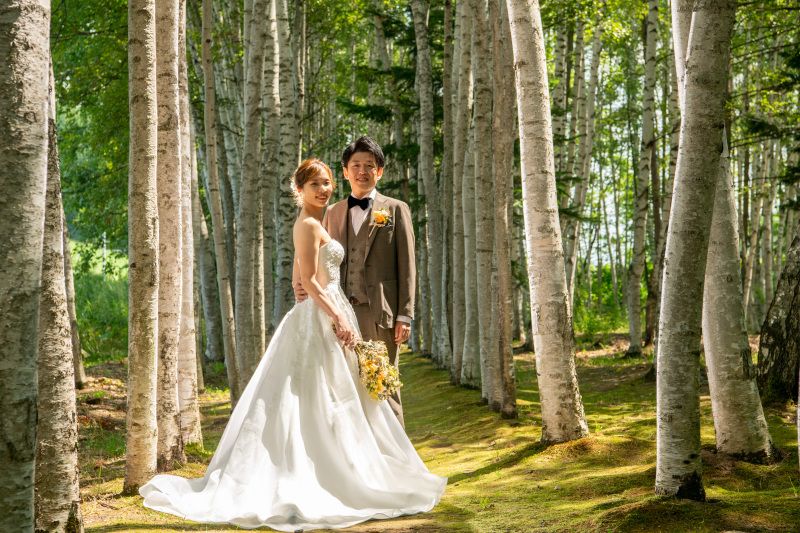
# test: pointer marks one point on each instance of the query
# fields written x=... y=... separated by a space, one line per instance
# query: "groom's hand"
x=299 y=293
x=401 y=332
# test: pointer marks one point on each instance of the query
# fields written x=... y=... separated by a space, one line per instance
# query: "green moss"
x=503 y=479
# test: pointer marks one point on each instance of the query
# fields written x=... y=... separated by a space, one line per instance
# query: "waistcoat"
x=355 y=284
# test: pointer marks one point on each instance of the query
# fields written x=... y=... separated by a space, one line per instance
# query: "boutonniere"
x=380 y=218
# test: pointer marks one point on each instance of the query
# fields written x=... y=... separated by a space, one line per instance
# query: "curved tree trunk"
x=678 y=463
x=779 y=349
x=215 y=201
x=57 y=429
x=739 y=421
x=562 y=409
x=141 y=425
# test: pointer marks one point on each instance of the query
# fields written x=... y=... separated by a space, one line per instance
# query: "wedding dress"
x=305 y=448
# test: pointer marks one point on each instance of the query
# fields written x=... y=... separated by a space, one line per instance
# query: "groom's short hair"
x=363 y=144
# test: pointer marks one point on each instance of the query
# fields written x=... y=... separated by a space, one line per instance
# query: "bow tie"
x=362 y=203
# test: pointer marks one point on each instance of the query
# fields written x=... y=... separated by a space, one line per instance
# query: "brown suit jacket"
x=389 y=267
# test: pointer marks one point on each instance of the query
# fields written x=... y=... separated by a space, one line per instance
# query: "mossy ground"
x=501 y=478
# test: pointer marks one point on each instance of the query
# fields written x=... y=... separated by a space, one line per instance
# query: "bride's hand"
x=343 y=332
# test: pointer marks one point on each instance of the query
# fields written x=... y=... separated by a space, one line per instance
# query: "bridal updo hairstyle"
x=308 y=169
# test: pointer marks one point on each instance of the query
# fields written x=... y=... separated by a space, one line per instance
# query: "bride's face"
x=317 y=191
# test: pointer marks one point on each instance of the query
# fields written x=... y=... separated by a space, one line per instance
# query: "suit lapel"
x=378 y=203
x=340 y=223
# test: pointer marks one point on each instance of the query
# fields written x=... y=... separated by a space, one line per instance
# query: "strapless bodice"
x=331 y=255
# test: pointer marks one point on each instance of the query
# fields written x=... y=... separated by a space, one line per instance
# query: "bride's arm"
x=307 y=236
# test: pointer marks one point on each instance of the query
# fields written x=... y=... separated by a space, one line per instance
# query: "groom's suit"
x=378 y=273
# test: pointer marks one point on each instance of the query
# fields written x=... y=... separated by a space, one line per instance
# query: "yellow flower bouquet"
x=379 y=376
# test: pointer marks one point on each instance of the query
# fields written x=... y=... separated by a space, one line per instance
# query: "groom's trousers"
x=372 y=332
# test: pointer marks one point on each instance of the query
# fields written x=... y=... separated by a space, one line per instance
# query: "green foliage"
x=101 y=304
x=89 y=46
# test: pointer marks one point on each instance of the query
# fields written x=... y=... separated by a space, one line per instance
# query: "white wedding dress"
x=305 y=447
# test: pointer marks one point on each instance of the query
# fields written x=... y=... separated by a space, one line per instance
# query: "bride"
x=305 y=448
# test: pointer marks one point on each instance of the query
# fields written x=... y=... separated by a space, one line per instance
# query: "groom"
x=378 y=272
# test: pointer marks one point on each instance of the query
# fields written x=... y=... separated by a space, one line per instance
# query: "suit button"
x=352 y=260
x=353 y=249
x=351 y=283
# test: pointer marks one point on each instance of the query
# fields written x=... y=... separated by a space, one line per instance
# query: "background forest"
x=547 y=217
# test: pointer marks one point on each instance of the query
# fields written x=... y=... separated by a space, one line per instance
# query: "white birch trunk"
x=739 y=422
x=442 y=351
x=187 y=345
x=562 y=409
x=503 y=152
x=636 y=267
x=491 y=388
x=77 y=355
x=215 y=200
x=248 y=335
x=678 y=462
x=290 y=152
x=584 y=164
x=559 y=94
x=57 y=496
x=471 y=359
x=460 y=139
x=170 y=257
x=141 y=425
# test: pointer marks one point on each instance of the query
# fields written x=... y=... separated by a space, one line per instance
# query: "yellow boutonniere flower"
x=380 y=218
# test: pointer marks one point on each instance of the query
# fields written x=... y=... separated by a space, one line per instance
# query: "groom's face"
x=363 y=173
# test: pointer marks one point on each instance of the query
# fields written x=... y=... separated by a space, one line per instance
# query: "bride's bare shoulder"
x=307 y=229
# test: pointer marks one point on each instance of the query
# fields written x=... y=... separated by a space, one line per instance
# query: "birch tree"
x=187 y=344
x=77 y=355
x=223 y=279
x=170 y=442
x=57 y=498
x=706 y=51
x=141 y=426
x=739 y=422
x=562 y=409
x=436 y=267
x=636 y=267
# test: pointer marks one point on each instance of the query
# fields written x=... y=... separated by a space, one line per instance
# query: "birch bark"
x=187 y=345
x=739 y=422
x=248 y=335
x=57 y=497
x=678 y=462
x=460 y=139
x=170 y=268
x=471 y=360
x=441 y=329
x=77 y=355
x=562 y=409
x=141 y=425
x=637 y=264
x=215 y=200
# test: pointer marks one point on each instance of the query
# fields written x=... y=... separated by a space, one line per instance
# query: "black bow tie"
x=362 y=203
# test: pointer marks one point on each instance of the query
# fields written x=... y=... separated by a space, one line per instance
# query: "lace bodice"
x=331 y=255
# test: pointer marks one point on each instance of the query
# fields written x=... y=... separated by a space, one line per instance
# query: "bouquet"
x=378 y=375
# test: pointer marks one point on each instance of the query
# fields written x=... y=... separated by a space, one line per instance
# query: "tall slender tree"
x=706 y=51
x=57 y=496
x=563 y=418
x=143 y=279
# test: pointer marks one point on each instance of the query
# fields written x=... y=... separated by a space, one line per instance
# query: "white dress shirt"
x=357 y=218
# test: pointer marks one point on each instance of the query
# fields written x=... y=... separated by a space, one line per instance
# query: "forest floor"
x=501 y=478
